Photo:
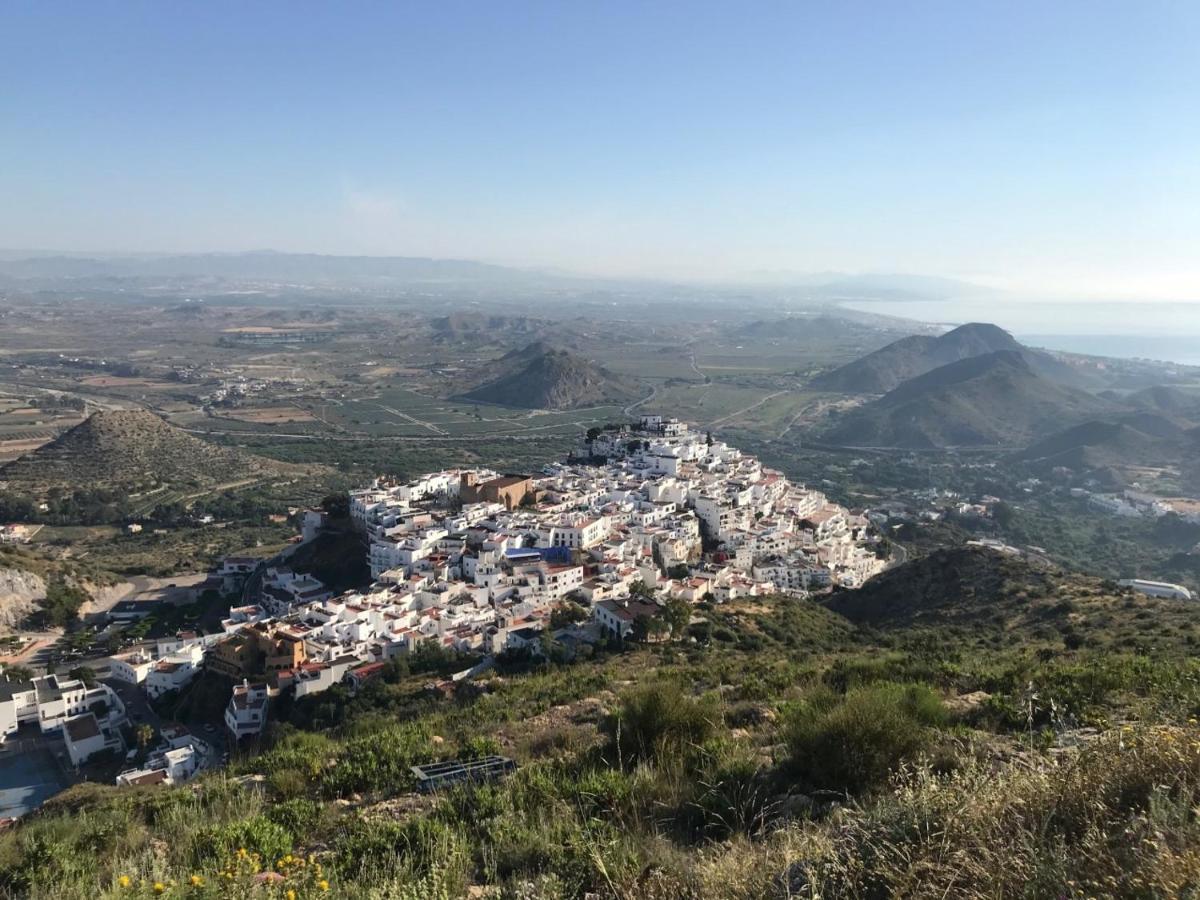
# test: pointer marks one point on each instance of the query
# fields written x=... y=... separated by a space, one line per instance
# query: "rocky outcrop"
x=21 y=593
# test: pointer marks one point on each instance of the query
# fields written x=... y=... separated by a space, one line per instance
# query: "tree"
x=640 y=589
x=85 y=674
x=18 y=673
x=337 y=505
x=1002 y=514
x=676 y=615
x=569 y=613
x=143 y=734
x=62 y=603
x=678 y=571
x=648 y=628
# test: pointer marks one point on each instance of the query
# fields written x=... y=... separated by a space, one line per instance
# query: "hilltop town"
x=476 y=561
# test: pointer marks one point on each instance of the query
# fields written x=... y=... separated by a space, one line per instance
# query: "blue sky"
x=1048 y=145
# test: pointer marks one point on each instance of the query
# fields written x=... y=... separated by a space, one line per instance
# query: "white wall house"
x=246 y=714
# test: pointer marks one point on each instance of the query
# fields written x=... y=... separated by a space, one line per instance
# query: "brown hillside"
x=133 y=448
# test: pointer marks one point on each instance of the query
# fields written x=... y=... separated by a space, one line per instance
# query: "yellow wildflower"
x=196 y=881
x=124 y=881
x=323 y=885
x=290 y=895
x=159 y=887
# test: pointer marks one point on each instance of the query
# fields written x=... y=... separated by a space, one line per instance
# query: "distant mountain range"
x=539 y=376
x=263 y=265
x=40 y=268
x=133 y=450
x=870 y=285
x=994 y=399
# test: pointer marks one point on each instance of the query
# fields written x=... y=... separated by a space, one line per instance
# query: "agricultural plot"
x=271 y=415
x=650 y=362
x=722 y=362
x=774 y=413
x=711 y=403
x=25 y=428
x=402 y=413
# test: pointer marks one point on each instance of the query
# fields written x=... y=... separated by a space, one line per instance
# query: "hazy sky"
x=1050 y=143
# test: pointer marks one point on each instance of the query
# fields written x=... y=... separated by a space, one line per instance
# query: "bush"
x=852 y=743
x=258 y=835
x=734 y=797
x=659 y=721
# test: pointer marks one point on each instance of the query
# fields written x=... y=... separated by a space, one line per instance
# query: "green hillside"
x=992 y=400
x=1038 y=720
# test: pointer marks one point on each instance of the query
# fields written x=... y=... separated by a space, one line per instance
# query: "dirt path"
x=412 y=420
x=750 y=408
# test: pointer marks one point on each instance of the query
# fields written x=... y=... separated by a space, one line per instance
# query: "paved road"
x=899 y=556
x=137 y=706
x=632 y=406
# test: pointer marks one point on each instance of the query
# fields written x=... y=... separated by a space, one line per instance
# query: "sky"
x=1039 y=146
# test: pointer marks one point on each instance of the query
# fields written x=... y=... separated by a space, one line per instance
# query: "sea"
x=1168 y=332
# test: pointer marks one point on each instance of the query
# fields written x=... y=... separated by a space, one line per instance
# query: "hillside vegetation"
x=992 y=400
x=890 y=366
x=1042 y=743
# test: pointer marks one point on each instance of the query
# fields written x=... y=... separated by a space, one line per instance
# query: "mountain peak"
x=983 y=333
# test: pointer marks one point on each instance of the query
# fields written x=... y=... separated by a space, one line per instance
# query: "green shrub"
x=852 y=743
x=734 y=797
x=659 y=720
x=300 y=816
x=214 y=845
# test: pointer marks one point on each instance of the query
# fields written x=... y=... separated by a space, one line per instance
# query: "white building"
x=132 y=667
x=1157 y=588
x=18 y=705
x=246 y=714
x=85 y=736
x=175 y=670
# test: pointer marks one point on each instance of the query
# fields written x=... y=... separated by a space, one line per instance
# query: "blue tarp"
x=549 y=554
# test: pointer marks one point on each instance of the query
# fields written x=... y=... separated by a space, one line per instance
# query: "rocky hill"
x=20 y=594
x=538 y=376
x=132 y=449
x=909 y=357
x=992 y=400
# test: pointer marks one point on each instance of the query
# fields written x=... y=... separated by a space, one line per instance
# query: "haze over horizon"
x=1037 y=148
